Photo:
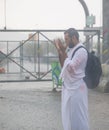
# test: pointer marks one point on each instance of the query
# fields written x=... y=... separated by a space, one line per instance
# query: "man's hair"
x=72 y=32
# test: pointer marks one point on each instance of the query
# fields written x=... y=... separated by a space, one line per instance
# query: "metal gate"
x=26 y=55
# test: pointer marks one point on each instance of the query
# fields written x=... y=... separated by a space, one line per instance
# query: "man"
x=74 y=89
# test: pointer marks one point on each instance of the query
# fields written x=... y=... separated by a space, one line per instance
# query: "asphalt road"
x=34 y=106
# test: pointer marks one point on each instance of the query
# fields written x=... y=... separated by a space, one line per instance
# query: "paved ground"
x=33 y=106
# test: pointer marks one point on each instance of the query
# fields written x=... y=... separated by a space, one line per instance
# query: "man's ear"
x=73 y=37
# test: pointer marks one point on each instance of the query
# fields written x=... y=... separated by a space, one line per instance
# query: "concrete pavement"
x=34 y=106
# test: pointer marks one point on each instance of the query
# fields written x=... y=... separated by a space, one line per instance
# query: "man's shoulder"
x=80 y=47
x=80 y=51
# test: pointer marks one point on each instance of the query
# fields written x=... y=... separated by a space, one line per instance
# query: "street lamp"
x=86 y=16
x=85 y=10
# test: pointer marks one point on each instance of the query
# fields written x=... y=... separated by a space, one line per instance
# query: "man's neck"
x=76 y=44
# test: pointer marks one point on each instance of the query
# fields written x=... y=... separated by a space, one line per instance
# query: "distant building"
x=33 y=38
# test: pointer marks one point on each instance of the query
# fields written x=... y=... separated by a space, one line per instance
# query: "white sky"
x=47 y=14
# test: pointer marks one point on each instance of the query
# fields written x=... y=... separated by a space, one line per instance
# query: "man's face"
x=69 y=40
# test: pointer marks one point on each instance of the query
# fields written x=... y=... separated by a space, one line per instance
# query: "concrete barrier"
x=104 y=82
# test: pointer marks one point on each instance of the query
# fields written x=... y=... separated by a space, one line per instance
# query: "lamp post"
x=86 y=16
x=85 y=10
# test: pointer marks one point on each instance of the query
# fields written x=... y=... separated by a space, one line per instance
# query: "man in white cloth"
x=74 y=89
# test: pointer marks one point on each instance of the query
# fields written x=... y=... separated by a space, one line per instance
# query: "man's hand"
x=59 y=45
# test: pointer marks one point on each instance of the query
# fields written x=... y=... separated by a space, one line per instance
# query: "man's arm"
x=61 y=51
x=62 y=57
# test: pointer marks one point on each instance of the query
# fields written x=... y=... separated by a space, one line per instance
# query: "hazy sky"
x=47 y=14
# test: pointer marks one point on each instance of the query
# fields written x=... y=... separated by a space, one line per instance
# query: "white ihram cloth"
x=74 y=91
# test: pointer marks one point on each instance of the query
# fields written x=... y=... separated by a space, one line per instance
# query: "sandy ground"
x=34 y=106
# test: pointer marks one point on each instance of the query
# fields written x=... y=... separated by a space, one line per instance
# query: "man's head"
x=71 y=37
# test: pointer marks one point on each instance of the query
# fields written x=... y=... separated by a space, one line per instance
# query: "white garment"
x=75 y=108
x=74 y=91
x=74 y=68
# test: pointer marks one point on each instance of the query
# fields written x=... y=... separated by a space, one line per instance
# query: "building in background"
x=33 y=38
